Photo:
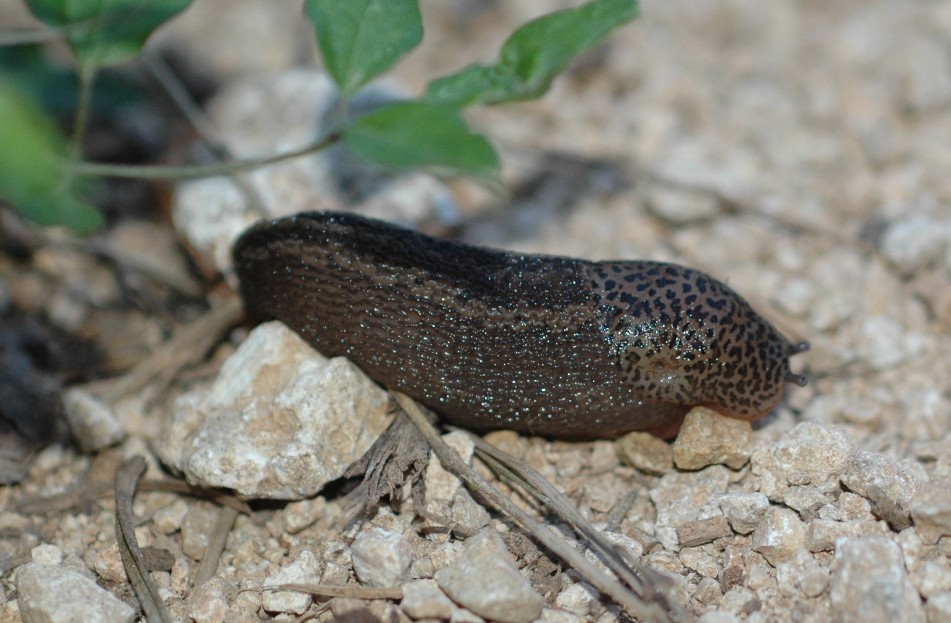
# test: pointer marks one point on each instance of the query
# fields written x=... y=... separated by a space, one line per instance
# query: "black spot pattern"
x=682 y=337
x=489 y=339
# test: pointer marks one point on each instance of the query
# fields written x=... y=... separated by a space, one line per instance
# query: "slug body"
x=489 y=339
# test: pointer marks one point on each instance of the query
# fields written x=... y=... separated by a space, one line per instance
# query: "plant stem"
x=158 y=172
x=24 y=37
x=87 y=73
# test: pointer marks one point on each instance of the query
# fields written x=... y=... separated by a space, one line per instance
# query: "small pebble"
x=467 y=512
x=92 y=423
x=913 y=242
x=352 y=609
x=887 y=484
x=461 y=615
x=698 y=559
x=422 y=599
x=869 y=583
x=760 y=577
x=731 y=576
x=337 y=559
x=603 y=456
x=814 y=582
x=854 y=507
x=779 y=535
x=208 y=603
x=46 y=554
x=579 y=599
x=708 y=592
x=42 y=590
x=484 y=579
x=627 y=545
x=381 y=557
x=154 y=249
x=304 y=570
x=646 y=452
x=169 y=518
x=708 y=438
x=680 y=497
x=911 y=546
x=303 y=513
x=444 y=554
x=824 y=534
x=931 y=511
x=938 y=608
x=108 y=564
x=807 y=501
x=932 y=577
x=744 y=510
x=666 y=560
x=809 y=454
x=735 y=600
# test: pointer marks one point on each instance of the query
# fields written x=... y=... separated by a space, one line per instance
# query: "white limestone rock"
x=279 y=422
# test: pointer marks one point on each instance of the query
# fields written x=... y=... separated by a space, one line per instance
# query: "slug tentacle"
x=490 y=339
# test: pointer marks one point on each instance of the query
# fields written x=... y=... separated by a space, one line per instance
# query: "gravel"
x=484 y=579
x=797 y=151
x=42 y=591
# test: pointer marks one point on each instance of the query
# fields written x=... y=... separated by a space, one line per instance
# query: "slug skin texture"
x=489 y=339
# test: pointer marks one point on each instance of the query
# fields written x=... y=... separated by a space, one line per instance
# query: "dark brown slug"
x=490 y=339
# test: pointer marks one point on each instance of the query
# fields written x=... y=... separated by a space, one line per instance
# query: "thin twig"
x=159 y=172
x=187 y=345
x=330 y=590
x=152 y=604
x=450 y=459
x=647 y=582
x=181 y=97
x=83 y=494
x=200 y=122
x=216 y=545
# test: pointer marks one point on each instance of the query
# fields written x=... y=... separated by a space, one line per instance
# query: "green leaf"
x=533 y=55
x=55 y=87
x=420 y=134
x=360 y=39
x=103 y=32
x=34 y=175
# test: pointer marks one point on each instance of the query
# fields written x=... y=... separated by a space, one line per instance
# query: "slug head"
x=681 y=337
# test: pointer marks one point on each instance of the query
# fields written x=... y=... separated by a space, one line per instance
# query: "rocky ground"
x=798 y=151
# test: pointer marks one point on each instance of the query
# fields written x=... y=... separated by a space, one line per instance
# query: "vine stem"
x=159 y=172
x=87 y=73
x=24 y=37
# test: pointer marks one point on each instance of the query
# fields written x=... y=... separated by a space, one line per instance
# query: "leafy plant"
x=104 y=32
x=532 y=57
x=431 y=132
x=360 y=39
x=418 y=134
x=34 y=171
x=41 y=173
x=40 y=177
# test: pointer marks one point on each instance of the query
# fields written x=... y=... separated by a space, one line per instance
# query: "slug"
x=490 y=339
